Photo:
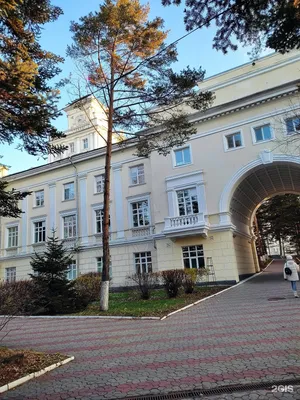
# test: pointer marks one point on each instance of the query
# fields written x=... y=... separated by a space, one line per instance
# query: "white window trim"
x=174 y=157
x=87 y=139
x=254 y=142
x=5 y=274
x=67 y=214
x=283 y=121
x=95 y=207
x=33 y=221
x=35 y=192
x=135 y=199
x=177 y=204
x=70 y=149
x=12 y=225
x=130 y=180
x=225 y=143
x=139 y=252
x=191 y=245
x=76 y=270
x=95 y=184
x=63 y=191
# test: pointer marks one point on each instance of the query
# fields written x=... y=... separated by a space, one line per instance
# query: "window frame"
x=85 y=140
x=7 y=277
x=180 y=148
x=67 y=215
x=140 y=178
x=73 y=268
x=193 y=257
x=72 y=147
x=143 y=260
x=254 y=141
x=131 y=213
x=177 y=200
x=95 y=183
x=37 y=232
x=64 y=191
x=225 y=141
x=36 y=198
x=8 y=236
x=286 y=129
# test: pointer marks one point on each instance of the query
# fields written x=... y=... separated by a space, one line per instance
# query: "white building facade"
x=174 y=211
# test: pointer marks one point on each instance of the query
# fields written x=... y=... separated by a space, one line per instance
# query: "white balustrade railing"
x=183 y=221
x=142 y=231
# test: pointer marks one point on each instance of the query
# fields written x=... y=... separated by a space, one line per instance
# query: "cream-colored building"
x=174 y=211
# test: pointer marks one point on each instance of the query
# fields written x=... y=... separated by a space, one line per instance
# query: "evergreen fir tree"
x=50 y=270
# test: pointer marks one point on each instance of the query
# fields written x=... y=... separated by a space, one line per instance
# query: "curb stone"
x=33 y=375
x=139 y=318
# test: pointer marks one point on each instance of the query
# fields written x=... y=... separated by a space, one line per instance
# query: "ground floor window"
x=72 y=271
x=143 y=262
x=99 y=264
x=10 y=274
x=193 y=256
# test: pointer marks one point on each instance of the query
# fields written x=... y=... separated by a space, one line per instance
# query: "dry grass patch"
x=14 y=364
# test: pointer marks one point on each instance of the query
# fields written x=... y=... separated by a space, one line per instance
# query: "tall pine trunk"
x=104 y=291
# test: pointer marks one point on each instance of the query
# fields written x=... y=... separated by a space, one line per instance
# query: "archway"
x=261 y=179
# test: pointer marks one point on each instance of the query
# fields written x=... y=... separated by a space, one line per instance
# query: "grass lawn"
x=130 y=304
x=15 y=364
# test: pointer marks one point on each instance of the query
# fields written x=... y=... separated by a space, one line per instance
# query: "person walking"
x=290 y=273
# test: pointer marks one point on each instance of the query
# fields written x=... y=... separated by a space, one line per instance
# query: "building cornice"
x=199 y=117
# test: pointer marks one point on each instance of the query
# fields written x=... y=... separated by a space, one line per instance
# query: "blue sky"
x=195 y=50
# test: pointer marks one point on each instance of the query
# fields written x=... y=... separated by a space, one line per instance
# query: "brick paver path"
x=236 y=337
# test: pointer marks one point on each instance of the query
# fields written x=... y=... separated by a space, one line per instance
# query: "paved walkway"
x=234 y=338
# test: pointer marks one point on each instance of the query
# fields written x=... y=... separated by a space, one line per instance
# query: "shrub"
x=172 y=281
x=189 y=280
x=145 y=282
x=87 y=288
x=18 y=298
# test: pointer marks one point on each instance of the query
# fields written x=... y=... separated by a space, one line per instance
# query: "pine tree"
x=28 y=98
x=129 y=71
x=271 y=23
x=50 y=277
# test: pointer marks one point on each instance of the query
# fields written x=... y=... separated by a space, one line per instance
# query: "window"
x=69 y=193
x=143 y=262
x=72 y=271
x=140 y=213
x=85 y=143
x=10 y=274
x=187 y=201
x=70 y=226
x=262 y=133
x=72 y=147
x=137 y=176
x=193 y=257
x=99 y=220
x=182 y=156
x=233 y=141
x=39 y=231
x=293 y=125
x=39 y=198
x=99 y=183
x=99 y=262
x=13 y=232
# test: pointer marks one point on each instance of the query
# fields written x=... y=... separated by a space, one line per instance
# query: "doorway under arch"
x=253 y=184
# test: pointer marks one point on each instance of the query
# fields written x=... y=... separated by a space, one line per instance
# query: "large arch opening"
x=261 y=183
x=247 y=193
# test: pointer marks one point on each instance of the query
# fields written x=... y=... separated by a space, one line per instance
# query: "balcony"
x=186 y=225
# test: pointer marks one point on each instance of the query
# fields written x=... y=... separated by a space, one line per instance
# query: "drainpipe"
x=76 y=247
